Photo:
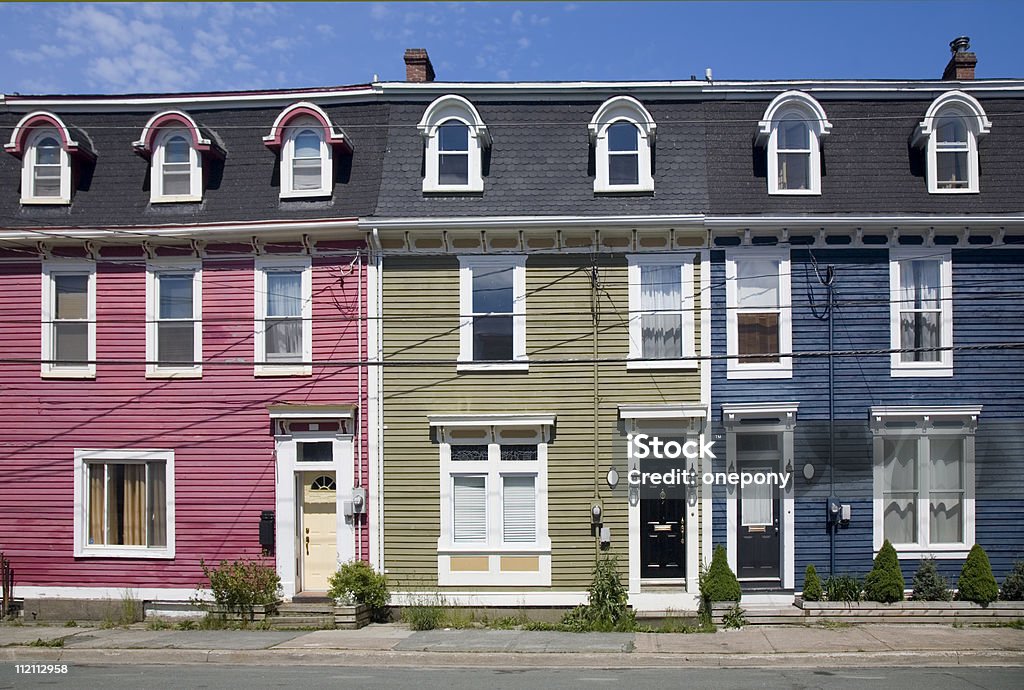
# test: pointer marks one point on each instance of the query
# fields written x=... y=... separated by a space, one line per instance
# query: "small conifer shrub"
x=977 y=583
x=812 y=584
x=885 y=581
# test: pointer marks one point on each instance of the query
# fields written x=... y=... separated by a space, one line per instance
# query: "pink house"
x=183 y=321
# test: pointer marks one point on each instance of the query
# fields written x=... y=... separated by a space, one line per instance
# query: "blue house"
x=886 y=230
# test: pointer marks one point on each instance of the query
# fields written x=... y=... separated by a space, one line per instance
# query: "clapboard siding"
x=986 y=310
x=421 y=307
x=217 y=426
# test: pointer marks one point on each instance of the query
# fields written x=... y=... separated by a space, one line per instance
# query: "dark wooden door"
x=662 y=523
x=757 y=520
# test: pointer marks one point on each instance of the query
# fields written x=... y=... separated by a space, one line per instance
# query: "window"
x=622 y=131
x=284 y=332
x=124 y=503
x=174 y=333
x=494 y=501
x=46 y=175
x=493 y=312
x=924 y=479
x=949 y=133
x=921 y=290
x=69 y=319
x=759 y=314
x=661 y=321
x=177 y=170
x=306 y=160
x=455 y=138
x=791 y=129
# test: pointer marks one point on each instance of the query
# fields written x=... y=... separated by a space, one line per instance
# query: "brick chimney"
x=961 y=65
x=417 y=65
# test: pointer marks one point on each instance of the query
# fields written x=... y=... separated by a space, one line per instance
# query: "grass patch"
x=40 y=642
x=158 y=624
x=71 y=624
x=1016 y=624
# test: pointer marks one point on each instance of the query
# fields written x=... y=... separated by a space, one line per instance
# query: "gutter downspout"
x=377 y=457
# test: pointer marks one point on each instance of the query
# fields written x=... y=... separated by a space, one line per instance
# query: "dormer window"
x=949 y=132
x=307 y=139
x=791 y=130
x=176 y=147
x=622 y=131
x=48 y=151
x=455 y=137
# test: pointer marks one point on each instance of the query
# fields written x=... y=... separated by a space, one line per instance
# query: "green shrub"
x=843 y=588
x=812 y=584
x=607 y=606
x=929 y=584
x=1013 y=585
x=884 y=583
x=240 y=586
x=358 y=582
x=719 y=582
x=976 y=582
x=734 y=618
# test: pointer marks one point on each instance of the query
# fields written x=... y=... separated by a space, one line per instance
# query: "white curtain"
x=756 y=502
x=469 y=514
x=900 y=491
x=919 y=317
x=519 y=509
x=946 y=491
x=284 y=312
x=757 y=453
x=661 y=293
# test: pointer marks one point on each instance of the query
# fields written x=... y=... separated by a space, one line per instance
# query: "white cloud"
x=523 y=42
x=325 y=30
x=517 y=17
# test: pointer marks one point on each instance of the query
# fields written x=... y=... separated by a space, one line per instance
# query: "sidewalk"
x=793 y=646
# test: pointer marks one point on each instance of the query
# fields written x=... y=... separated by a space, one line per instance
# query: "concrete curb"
x=625 y=660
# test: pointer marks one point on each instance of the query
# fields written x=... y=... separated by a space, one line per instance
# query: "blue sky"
x=110 y=48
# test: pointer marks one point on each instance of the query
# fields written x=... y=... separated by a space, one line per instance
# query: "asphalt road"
x=114 y=677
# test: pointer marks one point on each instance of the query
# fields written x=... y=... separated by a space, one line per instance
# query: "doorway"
x=758 y=542
x=319 y=530
x=662 y=525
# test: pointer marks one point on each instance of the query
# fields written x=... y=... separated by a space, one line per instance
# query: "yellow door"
x=319 y=530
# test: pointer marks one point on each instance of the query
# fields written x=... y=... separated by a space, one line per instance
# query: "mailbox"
x=267 y=531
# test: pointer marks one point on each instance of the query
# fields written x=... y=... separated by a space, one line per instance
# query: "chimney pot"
x=417 y=66
x=961 y=64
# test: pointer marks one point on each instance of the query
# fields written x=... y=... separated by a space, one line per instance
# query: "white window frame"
x=735 y=369
x=263 y=266
x=943 y=367
x=294 y=128
x=467 y=264
x=154 y=269
x=156 y=178
x=493 y=430
x=977 y=125
x=28 y=165
x=805 y=107
x=83 y=457
x=614 y=111
x=924 y=429
x=635 y=263
x=48 y=368
x=443 y=109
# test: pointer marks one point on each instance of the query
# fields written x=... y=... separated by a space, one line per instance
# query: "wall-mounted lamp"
x=613 y=478
x=692 y=474
x=596 y=512
x=789 y=467
x=732 y=468
x=634 y=496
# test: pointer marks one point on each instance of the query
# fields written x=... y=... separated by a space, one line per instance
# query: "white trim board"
x=114 y=593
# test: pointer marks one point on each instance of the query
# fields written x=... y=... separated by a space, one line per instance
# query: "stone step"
x=302 y=609
x=293 y=622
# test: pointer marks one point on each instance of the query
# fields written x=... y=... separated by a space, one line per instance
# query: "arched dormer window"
x=455 y=139
x=622 y=132
x=306 y=138
x=176 y=147
x=792 y=128
x=949 y=133
x=48 y=150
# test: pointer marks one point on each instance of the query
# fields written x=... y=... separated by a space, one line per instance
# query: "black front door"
x=757 y=519
x=662 y=522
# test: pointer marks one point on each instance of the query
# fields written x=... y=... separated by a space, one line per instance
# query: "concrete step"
x=304 y=609
x=295 y=622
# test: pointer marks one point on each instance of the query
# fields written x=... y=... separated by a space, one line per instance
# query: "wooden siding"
x=421 y=307
x=217 y=426
x=986 y=309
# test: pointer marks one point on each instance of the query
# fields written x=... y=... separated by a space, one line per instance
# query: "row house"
x=421 y=323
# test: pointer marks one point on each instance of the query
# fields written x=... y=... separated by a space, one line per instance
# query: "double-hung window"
x=921 y=292
x=493 y=312
x=661 y=321
x=494 y=503
x=453 y=153
x=791 y=130
x=949 y=134
x=924 y=480
x=306 y=160
x=174 y=340
x=124 y=503
x=455 y=137
x=69 y=319
x=284 y=329
x=622 y=134
x=176 y=173
x=759 y=314
x=46 y=177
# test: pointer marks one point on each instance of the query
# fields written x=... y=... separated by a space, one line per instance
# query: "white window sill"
x=910 y=372
x=167 y=373
x=89 y=373
x=762 y=373
x=306 y=194
x=953 y=191
x=125 y=552
x=282 y=370
x=485 y=550
x=662 y=364
x=502 y=366
x=795 y=192
x=175 y=199
x=45 y=201
x=626 y=188
x=473 y=186
x=916 y=553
